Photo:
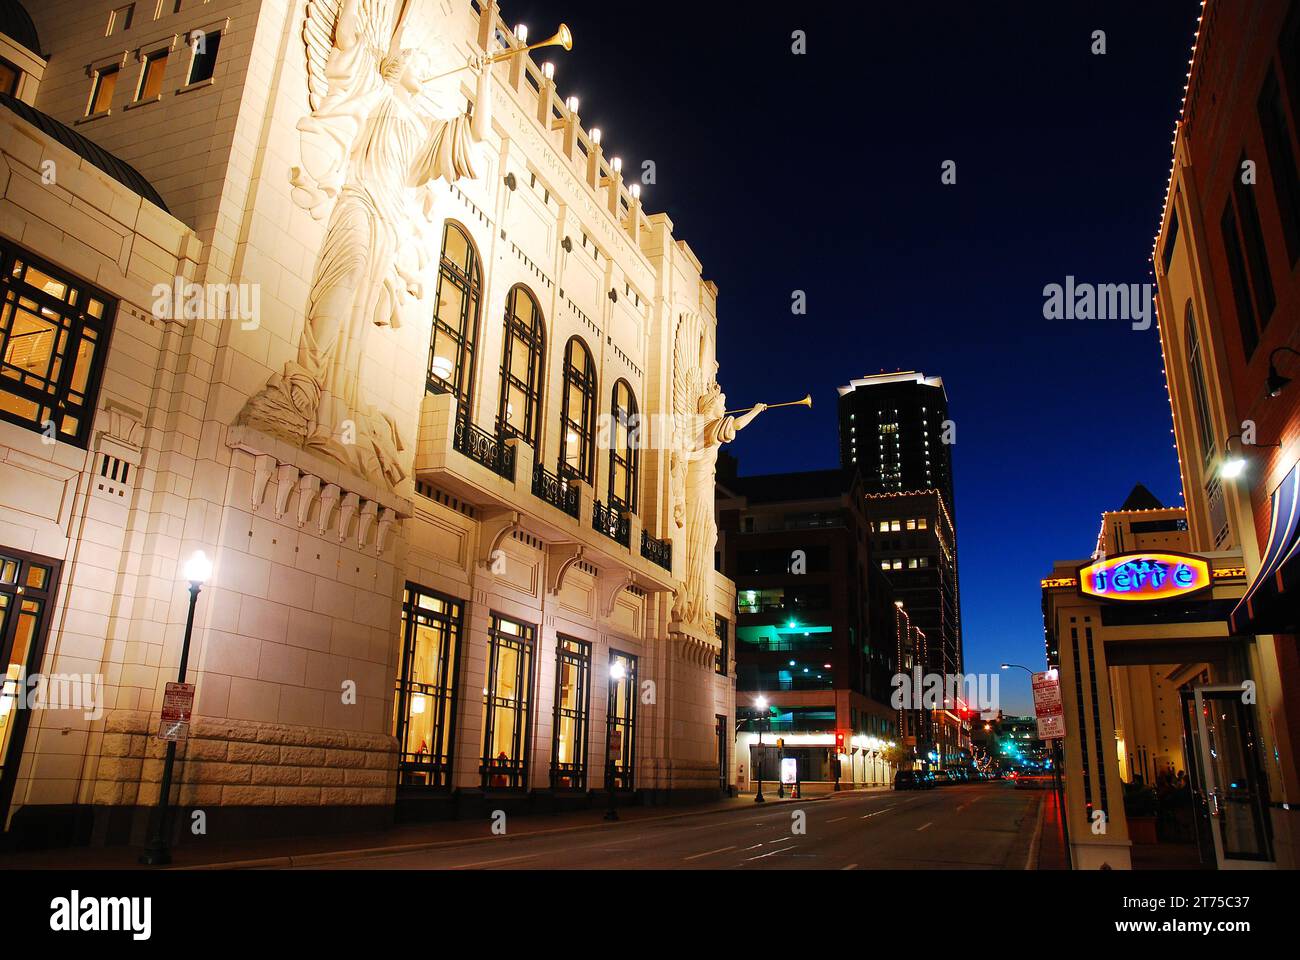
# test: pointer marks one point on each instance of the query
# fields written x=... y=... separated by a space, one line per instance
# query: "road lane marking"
x=851 y=866
x=754 y=847
x=710 y=853
x=481 y=863
x=770 y=853
x=837 y=820
x=924 y=825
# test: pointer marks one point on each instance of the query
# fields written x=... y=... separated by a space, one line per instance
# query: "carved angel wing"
x=318 y=37
x=688 y=382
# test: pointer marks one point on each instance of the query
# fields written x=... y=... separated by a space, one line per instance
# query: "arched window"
x=578 y=412
x=1196 y=367
x=455 y=318
x=521 y=368
x=624 y=433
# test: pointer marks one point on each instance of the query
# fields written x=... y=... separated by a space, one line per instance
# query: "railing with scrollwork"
x=613 y=523
x=557 y=491
x=657 y=551
x=482 y=447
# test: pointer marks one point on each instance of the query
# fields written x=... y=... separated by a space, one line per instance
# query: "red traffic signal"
x=840 y=737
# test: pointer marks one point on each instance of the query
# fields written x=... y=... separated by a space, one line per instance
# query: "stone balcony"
x=512 y=492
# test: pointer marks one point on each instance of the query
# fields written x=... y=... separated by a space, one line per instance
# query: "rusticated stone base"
x=242 y=763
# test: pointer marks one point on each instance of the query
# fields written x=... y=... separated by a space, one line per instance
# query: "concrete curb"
x=333 y=856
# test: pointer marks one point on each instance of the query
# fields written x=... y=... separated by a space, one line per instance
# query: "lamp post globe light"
x=197 y=570
x=760 y=702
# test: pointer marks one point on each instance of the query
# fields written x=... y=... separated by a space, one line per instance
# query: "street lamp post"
x=761 y=704
x=616 y=673
x=1059 y=787
x=197 y=570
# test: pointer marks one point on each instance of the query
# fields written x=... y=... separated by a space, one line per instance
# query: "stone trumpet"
x=805 y=402
x=563 y=38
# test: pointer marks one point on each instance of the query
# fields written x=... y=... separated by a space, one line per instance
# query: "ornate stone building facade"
x=405 y=357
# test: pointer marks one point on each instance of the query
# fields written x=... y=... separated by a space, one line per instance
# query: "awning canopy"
x=1272 y=604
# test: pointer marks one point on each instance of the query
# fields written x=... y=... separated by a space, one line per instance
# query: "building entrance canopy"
x=1272 y=604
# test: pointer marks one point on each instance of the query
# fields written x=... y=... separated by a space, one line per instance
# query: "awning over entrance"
x=1272 y=604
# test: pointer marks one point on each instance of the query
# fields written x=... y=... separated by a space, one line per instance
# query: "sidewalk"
x=296 y=851
x=1052 y=854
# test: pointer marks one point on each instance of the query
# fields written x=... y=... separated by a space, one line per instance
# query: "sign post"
x=1050 y=714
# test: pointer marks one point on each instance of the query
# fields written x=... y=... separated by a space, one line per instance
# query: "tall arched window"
x=625 y=429
x=578 y=412
x=521 y=368
x=455 y=318
x=1196 y=368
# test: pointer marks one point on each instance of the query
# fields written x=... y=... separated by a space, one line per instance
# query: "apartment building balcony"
x=511 y=491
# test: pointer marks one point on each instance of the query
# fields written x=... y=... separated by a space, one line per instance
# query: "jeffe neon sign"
x=1144 y=576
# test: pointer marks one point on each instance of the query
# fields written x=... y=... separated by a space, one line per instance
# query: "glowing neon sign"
x=1144 y=576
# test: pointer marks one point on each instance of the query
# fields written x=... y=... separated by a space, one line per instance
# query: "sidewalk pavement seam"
x=367 y=853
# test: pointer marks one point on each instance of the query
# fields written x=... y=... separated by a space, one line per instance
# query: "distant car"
x=944 y=778
x=910 y=780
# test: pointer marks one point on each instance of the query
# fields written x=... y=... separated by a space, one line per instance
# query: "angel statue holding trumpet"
x=371 y=147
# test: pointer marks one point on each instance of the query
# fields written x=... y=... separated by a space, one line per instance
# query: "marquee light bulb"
x=548 y=70
x=521 y=32
x=595 y=135
x=572 y=104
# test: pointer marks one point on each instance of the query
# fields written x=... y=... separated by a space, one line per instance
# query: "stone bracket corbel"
x=387 y=517
x=263 y=467
x=608 y=587
x=560 y=558
x=286 y=475
x=494 y=527
x=368 y=514
x=308 y=487
x=351 y=503
x=329 y=499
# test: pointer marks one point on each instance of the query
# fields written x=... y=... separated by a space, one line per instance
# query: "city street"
x=976 y=826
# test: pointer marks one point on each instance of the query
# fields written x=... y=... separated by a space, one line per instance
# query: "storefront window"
x=425 y=711
x=621 y=747
x=572 y=696
x=505 y=704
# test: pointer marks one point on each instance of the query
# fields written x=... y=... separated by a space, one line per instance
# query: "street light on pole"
x=197 y=570
x=616 y=674
x=760 y=702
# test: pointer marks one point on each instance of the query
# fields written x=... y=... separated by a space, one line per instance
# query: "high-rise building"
x=894 y=430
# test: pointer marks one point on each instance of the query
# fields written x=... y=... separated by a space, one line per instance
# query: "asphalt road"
x=972 y=826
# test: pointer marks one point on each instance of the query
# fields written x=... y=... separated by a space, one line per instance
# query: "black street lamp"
x=616 y=674
x=197 y=570
x=761 y=704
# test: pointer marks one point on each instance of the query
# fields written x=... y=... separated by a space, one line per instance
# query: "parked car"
x=910 y=780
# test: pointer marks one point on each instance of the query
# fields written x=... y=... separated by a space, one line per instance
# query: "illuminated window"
x=455 y=319
x=623 y=447
x=9 y=77
x=621 y=719
x=26 y=587
x=578 y=412
x=204 y=61
x=521 y=368
x=572 y=699
x=506 y=703
x=425 y=709
x=101 y=92
x=151 y=77
x=53 y=333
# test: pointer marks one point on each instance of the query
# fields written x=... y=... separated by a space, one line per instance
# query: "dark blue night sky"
x=821 y=173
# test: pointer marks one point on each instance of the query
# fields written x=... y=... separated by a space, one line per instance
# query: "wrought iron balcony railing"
x=482 y=447
x=557 y=491
x=657 y=551
x=612 y=523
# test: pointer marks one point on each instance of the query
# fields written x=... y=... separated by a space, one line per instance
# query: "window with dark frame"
x=425 y=710
x=720 y=660
x=519 y=414
x=1281 y=163
x=455 y=318
x=9 y=77
x=151 y=77
x=204 y=61
x=1237 y=280
x=572 y=703
x=578 y=412
x=1252 y=240
x=54 y=332
x=621 y=721
x=101 y=91
x=625 y=424
x=506 y=703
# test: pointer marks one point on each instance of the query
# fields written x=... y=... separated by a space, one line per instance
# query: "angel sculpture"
x=372 y=140
x=701 y=424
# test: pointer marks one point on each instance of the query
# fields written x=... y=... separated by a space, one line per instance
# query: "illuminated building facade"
x=463 y=591
x=815 y=635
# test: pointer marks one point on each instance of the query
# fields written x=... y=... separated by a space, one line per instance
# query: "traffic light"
x=840 y=738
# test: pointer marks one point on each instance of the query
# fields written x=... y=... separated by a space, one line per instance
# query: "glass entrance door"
x=1231 y=775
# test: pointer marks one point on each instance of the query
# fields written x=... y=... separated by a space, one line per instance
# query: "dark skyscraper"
x=893 y=428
